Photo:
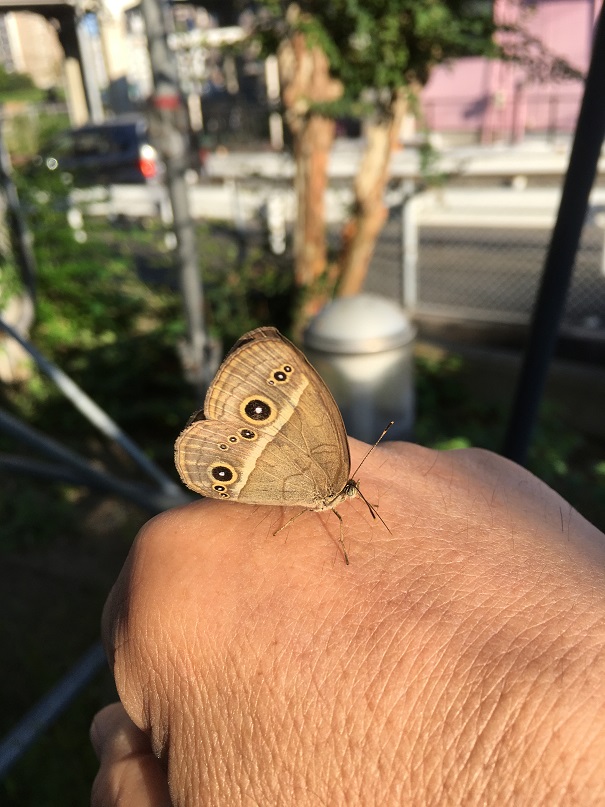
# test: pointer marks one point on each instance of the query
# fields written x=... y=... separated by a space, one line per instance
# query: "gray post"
x=167 y=124
x=409 y=236
x=93 y=93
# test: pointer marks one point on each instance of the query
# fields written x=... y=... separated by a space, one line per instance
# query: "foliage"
x=9 y=278
x=25 y=132
x=58 y=770
x=387 y=44
x=110 y=314
x=335 y=56
x=14 y=82
x=539 y=64
x=243 y=291
x=449 y=418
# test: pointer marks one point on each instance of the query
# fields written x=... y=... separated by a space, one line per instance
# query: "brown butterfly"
x=270 y=433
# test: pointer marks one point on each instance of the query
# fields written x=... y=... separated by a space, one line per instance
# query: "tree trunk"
x=312 y=148
x=306 y=82
x=362 y=230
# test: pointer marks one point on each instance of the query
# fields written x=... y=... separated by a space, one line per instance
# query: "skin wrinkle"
x=461 y=775
x=352 y=688
x=425 y=690
x=562 y=700
x=304 y=699
x=235 y=728
x=299 y=761
x=531 y=722
x=215 y=746
x=458 y=680
x=255 y=745
x=322 y=757
x=258 y=690
x=296 y=754
x=392 y=757
x=299 y=749
x=542 y=741
x=591 y=779
x=431 y=744
x=182 y=679
x=509 y=752
x=493 y=745
x=472 y=723
x=153 y=719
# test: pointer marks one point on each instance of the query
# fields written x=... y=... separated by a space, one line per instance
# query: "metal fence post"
x=409 y=247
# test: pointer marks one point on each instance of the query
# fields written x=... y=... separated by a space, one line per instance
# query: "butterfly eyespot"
x=287 y=368
x=233 y=439
x=223 y=474
x=258 y=410
x=223 y=446
x=218 y=488
x=224 y=495
x=248 y=434
x=280 y=376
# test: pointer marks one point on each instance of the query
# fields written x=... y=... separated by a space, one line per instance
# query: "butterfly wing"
x=271 y=432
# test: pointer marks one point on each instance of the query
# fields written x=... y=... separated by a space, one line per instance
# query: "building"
x=491 y=101
x=29 y=44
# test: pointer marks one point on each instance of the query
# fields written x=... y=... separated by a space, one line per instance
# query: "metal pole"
x=558 y=266
x=97 y=416
x=150 y=499
x=168 y=109
x=48 y=709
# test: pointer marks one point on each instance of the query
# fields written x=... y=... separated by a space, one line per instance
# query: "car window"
x=89 y=143
x=125 y=139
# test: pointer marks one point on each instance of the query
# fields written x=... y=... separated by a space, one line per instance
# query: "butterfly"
x=270 y=433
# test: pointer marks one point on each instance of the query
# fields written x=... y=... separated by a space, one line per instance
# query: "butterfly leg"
x=340 y=538
x=289 y=521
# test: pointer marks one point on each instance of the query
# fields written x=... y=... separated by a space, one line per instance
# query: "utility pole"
x=169 y=128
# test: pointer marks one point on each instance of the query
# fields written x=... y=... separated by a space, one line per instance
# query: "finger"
x=129 y=773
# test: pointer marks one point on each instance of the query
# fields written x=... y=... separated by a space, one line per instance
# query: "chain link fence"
x=468 y=271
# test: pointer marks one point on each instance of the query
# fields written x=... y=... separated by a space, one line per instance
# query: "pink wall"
x=499 y=101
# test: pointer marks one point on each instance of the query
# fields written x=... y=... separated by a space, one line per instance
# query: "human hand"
x=459 y=659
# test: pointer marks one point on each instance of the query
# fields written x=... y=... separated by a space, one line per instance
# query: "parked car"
x=117 y=151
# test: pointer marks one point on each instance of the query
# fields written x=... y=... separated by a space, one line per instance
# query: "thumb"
x=129 y=773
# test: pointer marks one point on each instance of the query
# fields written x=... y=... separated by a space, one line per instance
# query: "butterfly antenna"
x=384 y=431
x=373 y=510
